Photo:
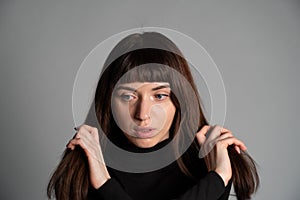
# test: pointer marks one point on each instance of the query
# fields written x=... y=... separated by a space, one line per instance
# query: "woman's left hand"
x=214 y=141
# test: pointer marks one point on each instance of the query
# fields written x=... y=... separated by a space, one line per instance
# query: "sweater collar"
x=128 y=146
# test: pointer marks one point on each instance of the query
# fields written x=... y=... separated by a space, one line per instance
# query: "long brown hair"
x=71 y=181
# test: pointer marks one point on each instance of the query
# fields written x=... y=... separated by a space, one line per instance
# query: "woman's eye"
x=161 y=96
x=126 y=97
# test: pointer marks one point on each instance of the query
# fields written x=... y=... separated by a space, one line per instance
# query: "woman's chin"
x=144 y=142
x=147 y=141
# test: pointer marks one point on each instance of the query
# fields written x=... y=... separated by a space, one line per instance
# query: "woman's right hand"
x=87 y=138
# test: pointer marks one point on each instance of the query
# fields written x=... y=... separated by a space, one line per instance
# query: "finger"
x=222 y=129
x=210 y=143
x=93 y=131
x=227 y=133
x=224 y=136
x=77 y=141
x=72 y=144
x=82 y=132
x=207 y=138
x=83 y=127
x=78 y=129
x=232 y=141
x=237 y=149
x=200 y=135
x=90 y=128
x=86 y=131
x=204 y=129
x=213 y=133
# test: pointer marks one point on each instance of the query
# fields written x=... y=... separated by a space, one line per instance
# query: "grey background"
x=255 y=44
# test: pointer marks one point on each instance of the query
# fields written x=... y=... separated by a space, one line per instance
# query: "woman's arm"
x=111 y=189
x=214 y=141
x=210 y=187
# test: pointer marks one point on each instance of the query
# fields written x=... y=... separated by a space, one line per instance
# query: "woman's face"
x=143 y=111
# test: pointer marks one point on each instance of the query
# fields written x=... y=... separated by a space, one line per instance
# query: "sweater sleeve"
x=226 y=194
x=210 y=187
x=111 y=189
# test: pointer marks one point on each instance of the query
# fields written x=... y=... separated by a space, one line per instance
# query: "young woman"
x=146 y=101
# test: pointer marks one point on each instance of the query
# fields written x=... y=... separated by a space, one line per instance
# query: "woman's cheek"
x=121 y=115
x=158 y=116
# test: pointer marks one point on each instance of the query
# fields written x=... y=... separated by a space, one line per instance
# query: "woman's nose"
x=142 y=110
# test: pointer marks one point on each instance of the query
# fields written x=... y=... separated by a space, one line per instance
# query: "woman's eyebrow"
x=161 y=87
x=121 y=87
x=126 y=88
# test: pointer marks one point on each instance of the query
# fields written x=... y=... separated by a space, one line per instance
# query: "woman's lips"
x=144 y=132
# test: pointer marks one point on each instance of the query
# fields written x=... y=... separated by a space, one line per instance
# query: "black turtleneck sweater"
x=168 y=183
